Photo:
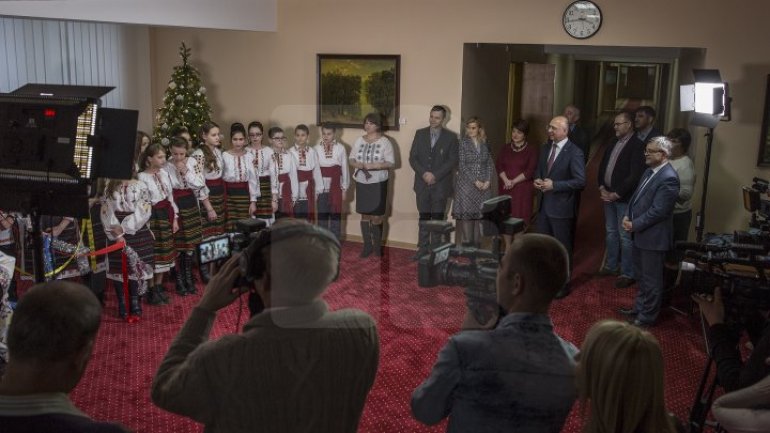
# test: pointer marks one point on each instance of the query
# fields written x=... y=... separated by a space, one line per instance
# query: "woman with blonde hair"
x=473 y=181
x=620 y=381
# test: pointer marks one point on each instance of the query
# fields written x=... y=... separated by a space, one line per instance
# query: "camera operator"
x=296 y=366
x=518 y=376
x=732 y=373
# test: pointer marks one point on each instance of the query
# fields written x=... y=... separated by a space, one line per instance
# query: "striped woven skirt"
x=141 y=242
x=70 y=236
x=217 y=200
x=237 y=202
x=265 y=199
x=160 y=225
x=190 y=231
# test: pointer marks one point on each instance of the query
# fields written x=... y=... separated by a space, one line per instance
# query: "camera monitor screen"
x=214 y=249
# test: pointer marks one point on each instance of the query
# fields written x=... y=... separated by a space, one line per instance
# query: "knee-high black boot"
x=133 y=293
x=366 y=234
x=181 y=286
x=121 y=299
x=188 y=274
x=377 y=239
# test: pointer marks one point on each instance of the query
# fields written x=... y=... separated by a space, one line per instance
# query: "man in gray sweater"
x=296 y=366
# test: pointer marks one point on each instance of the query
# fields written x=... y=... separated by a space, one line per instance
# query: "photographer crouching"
x=296 y=366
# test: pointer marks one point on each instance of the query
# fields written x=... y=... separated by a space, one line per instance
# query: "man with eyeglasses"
x=560 y=176
x=619 y=173
x=650 y=221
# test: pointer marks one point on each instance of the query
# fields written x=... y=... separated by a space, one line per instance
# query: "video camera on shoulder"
x=472 y=268
x=222 y=247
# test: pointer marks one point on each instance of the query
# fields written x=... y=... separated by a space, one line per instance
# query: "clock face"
x=582 y=19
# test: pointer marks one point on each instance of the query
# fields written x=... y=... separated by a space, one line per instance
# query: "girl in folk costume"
x=333 y=160
x=264 y=167
x=95 y=239
x=308 y=175
x=286 y=168
x=241 y=182
x=209 y=157
x=189 y=190
x=164 y=221
x=61 y=243
x=372 y=157
x=125 y=211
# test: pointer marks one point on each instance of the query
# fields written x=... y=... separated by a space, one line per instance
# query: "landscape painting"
x=352 y=85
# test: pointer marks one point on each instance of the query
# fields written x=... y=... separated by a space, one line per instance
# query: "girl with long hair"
x=619 y=378
x=264 y=167
x=164 y=219
x=125 y=211
x=209 y=157
x=241 y=181
x=192 y=198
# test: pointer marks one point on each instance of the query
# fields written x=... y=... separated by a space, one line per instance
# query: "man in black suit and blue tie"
x=433 y=158
x=650 y=222
x=560 y=176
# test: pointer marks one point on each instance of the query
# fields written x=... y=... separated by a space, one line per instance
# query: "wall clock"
x=582 y=19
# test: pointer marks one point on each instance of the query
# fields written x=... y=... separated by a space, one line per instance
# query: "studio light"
x=709 y=101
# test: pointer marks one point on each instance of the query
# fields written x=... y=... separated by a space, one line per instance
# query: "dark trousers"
x=326 y=218
x=301 y=209
x=431 y=206
x=648 y=269
x=560 y=228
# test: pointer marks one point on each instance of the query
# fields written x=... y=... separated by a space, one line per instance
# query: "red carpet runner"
x=413 y=323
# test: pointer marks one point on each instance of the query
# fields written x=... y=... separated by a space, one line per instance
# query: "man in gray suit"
x=433 y=158
x=649 y=219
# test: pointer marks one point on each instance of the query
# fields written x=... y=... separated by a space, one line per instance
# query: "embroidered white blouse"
x=209 y=174
x=335 y=155
x=285 y=164
x=159 y=187
x=307 y=160
x=192 y=179
x=133 y=197
x=241 y=169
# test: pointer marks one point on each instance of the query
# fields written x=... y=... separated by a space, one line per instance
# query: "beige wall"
x=272 y=76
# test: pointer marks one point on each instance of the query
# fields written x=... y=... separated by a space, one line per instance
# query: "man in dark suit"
x=650 y=222
x=577 y=134
x=433 y=158
x=619 y=173
x=560 y=176
x=644 y=123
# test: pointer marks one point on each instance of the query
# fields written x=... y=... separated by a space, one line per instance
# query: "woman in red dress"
x=515 y=166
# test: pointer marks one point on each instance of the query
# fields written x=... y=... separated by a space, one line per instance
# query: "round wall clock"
x=582 y=19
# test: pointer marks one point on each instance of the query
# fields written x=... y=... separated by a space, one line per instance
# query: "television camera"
x=472 y=268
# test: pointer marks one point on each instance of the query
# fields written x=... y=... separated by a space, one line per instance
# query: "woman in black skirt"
x=372 y=158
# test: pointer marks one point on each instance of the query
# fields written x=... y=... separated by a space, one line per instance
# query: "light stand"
x=709 y=100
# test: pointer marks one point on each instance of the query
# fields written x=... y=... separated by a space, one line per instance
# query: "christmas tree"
x=185 y=103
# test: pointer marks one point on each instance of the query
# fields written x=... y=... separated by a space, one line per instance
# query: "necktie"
x=552 y=157
x=433 y=139
x=645 y=179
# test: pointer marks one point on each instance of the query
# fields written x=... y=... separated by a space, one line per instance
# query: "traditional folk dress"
x=335 y=174
x=188 y=190
x=164 y=212
x=287 y=187
x=241 y=186
x=264 y=167
x=216 y=186
x=372 y=185
x=310 y=182
x=130 y=207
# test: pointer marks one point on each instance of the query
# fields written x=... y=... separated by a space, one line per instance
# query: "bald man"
x=560 y=176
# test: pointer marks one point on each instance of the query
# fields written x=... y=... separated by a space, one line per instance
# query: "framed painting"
x=763 y=160
x=352 y=85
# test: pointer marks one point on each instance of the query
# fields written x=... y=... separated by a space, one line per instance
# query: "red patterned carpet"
x=413 y=323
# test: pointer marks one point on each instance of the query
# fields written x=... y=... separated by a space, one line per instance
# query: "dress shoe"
x=604 y=272
x=623 y=282
x=628 y=312
x=561 y=294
